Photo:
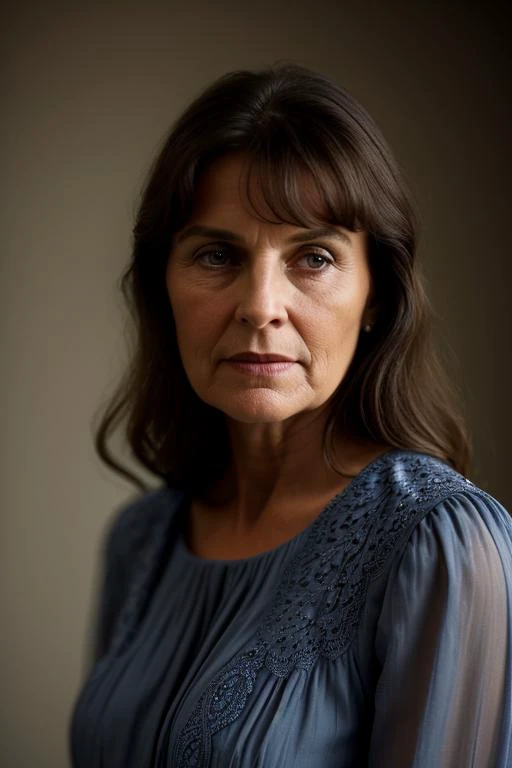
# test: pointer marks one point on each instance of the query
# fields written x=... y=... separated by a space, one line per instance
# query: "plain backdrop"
x=89 y=91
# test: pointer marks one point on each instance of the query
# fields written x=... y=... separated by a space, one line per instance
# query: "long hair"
x=287 y=120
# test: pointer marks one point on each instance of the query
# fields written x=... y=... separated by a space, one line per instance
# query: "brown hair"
x=287 y=120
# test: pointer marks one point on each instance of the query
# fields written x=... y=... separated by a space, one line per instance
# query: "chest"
x=211 y=534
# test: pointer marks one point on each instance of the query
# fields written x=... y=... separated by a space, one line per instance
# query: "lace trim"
x=317 y=606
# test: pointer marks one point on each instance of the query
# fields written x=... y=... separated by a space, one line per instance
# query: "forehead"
x=230 y=183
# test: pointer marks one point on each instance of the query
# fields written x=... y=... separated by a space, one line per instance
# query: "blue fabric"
x=379 y=636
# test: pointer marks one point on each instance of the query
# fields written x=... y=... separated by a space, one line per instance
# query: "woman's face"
x=239 y=285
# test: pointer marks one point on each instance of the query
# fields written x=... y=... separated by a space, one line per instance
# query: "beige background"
x=89 y=92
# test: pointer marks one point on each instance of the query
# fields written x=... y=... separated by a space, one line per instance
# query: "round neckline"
x=336 y=499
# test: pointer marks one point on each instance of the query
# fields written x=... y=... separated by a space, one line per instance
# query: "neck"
x=278 y=469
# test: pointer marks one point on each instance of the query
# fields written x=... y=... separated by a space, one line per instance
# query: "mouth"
x=253 y=357
x=255 y=365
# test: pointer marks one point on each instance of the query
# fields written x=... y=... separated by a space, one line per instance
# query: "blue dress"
x=379 y=636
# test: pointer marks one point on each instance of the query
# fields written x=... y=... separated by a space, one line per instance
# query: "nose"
x=263 y=293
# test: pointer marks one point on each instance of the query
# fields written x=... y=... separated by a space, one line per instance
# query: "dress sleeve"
x=119 y=549
x=444 y=693
x=111 y=584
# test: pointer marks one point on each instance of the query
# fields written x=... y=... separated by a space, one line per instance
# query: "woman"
x=316 y=584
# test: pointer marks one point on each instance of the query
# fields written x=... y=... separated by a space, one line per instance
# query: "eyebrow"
x=225 y=234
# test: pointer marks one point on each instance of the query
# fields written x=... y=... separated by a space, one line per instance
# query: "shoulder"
x=418 y=476
x=132 y=544
x=133 y=524
x=427 y=503
x=403 y=491
x=418 y=482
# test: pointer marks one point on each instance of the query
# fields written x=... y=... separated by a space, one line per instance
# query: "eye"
x=215 y=258
x=315 y=261
x=219 y=257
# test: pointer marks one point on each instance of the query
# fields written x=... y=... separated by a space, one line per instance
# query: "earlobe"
x=369 y=319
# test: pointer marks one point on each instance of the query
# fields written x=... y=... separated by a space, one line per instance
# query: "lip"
x=254 y=357
x=261 y=369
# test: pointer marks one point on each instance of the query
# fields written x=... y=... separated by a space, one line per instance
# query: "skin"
x=307 y=300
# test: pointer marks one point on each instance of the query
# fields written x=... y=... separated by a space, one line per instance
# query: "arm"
x=443 y=698
x=111 y=585
x=122 y=544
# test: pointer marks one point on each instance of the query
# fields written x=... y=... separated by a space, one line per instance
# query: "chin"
x=253 y=418
x=260 y=408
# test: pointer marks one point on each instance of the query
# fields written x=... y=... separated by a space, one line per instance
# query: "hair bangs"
x=299 y=185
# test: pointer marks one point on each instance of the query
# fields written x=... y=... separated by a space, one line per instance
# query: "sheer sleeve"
x=443 y=642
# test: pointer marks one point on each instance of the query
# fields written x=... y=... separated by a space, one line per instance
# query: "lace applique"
x=316 y=608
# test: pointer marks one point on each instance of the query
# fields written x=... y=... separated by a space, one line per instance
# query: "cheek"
x=197 y=328
x=331 y=328
x=181 y=301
